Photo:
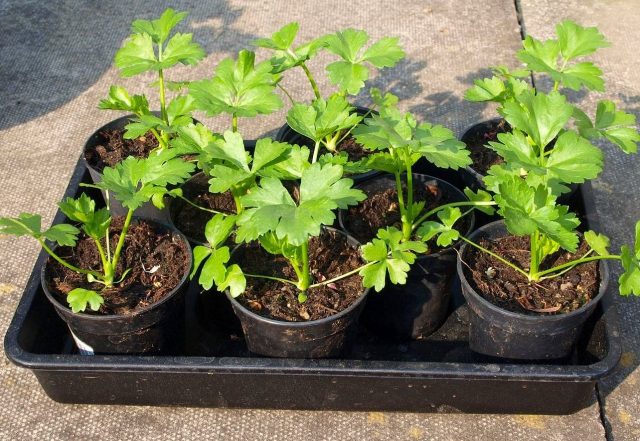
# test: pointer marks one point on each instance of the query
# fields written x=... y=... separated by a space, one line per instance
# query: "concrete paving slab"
x=55 y=66
x=617 y=190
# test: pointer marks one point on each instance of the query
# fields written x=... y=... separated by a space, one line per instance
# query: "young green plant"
x=132 y=182
x=557 y=58
x=152 y=48
x=239 y=88
x=284 y=226
x=533 y=211
x=349 y=73
x=399 y=142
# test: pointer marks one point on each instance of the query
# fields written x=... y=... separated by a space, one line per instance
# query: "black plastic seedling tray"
x=212 y=367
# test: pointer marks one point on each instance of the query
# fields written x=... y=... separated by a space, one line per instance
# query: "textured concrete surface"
x=617 y=190
x=55 y=64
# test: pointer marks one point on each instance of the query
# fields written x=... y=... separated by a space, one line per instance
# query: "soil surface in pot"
x=353 y=149
x=381 y=210
x=115 y=148
x=191 y=221
x=483 y=158
x=157 y=265
x=330 y=255
x=510 y=290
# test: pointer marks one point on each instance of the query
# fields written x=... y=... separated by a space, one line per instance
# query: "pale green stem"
x=342 y=276
x=234 y=123
x=577 y=262
x=64 y=263
x=430 y=213
x=197 y=206
x=306 y=274
x=116 y=254
x=506 y=262
x=314 y=86
x=286 y=93
x=316 y=149
x=277 y=279
x=565 y=270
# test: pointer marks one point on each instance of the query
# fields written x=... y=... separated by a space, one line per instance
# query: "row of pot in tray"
x=298 y=285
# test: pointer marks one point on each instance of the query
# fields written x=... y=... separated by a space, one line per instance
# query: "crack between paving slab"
x=608 y=435
x=523 y=31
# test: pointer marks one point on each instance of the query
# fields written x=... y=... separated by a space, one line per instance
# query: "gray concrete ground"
x=55 y=64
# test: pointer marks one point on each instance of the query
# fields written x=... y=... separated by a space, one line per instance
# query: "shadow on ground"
x=74 y=43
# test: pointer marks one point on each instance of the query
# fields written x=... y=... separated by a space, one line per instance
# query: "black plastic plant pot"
x=324 y=338
x=156 y=328
x=501 y=333
x=147 y=210
x=287 y=134
x=418 y=308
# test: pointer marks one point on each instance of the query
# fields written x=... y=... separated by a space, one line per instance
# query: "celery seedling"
x=133 y=182
x=533 y=211
x=149 y=49
x=557 y=59
x=284 y=226
x=399 y=142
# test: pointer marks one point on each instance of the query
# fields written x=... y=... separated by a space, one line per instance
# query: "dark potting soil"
x=116 y=148
x=381 y=210
x=483 y=157
x=157 y=264
x=330 y=255
x=510 y=290
x=354 y=149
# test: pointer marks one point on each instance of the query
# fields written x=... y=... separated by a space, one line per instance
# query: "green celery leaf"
x=80 y=298
x=200 y=253
x=389 y=256
x=136 y=56
x=181 y=49
x=239 y=87
x=630 y=279
x=270 y=207
x=527 y=210
x=218 y=229
x=487 y=89
x=281 y=39
x=440 y=146
x=180 y=106
x=598 y=242
x=480 y=196
x=94 y=223
x=159 y=29
x=62 y=234
x=323 y=117
x=120 y=99
x=234 y=280
x=574 y=159
x=577 y=41
x=539 y=115
x=350 y=72
x=25 y=224
x=615 y=125
x=214 y=269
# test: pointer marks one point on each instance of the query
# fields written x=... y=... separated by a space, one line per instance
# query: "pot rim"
x=342 y=213
x=107 y=317
x=603 y=270
x=365 y=291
